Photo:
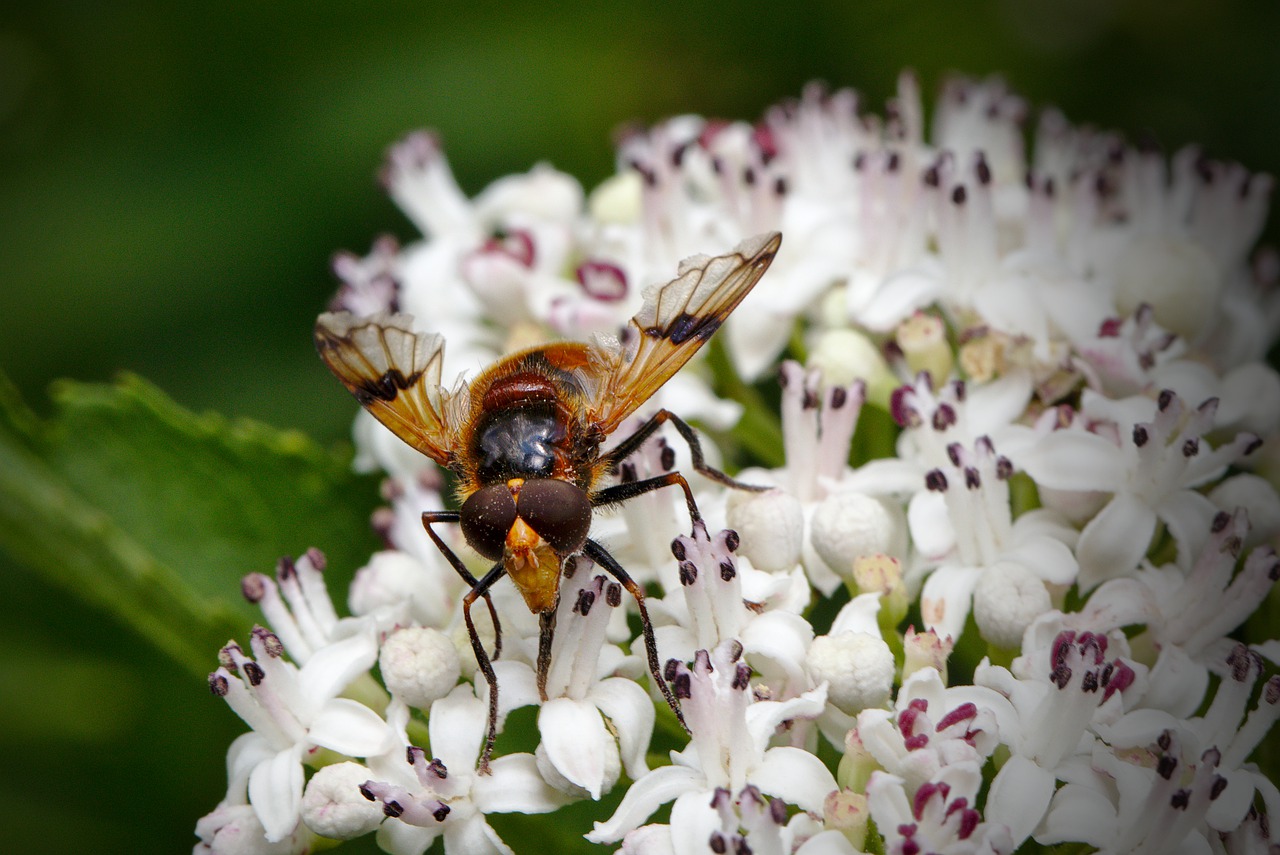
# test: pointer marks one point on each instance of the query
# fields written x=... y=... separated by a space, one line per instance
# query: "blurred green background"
x=174 y=180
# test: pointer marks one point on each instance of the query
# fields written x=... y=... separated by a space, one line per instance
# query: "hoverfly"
x=523 y=439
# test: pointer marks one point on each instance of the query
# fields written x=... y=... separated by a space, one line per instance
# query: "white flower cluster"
x=1070 y=335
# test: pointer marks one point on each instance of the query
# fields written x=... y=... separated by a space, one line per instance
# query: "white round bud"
x=617 y=199
x=857 y=666
x=771 y=528
x=419 y=665
x=332 y=805
x=1256 y=495
x=1172 y=274
x=1250 y=399
x=394 y=578
x=1006 y=599
x=844 y=355
x=849 y=525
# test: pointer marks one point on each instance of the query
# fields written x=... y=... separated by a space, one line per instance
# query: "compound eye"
x=486 y=517
x=558 y=511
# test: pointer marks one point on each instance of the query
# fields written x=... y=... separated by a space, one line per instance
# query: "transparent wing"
x=394 y=373
x=674 y=322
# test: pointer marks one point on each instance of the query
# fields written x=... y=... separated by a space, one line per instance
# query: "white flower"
x=1158 y=804
x=593 y=722
x=1152 y=475
x=939 y=816
x=712 y=609
x=294 y=711
x=424 y=799
x=931 y=727
x=974 y=525
x=728 y=749
x=1071 y=685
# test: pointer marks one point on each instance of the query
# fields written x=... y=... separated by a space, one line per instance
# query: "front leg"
x=429 y=517
x=481 y=589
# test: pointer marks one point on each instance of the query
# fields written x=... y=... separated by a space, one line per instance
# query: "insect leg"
x=429 y=517
x=480 y=589
x=601 y=556
x=621 y=492
x=629 y=446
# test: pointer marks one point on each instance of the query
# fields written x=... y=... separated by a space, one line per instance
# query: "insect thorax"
x=520 y=442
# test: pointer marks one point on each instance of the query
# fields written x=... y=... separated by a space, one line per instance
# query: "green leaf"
x=153 y=513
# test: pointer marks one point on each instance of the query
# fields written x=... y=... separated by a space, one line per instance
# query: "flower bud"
x=771 y=525
x=1174 y=275
x=857 y=666
x=847 y=526
x=923 y=339
x=332 y=805
x=1007 y=598
x=924 y=650
x=617 y=199
x=857 y=764
x=847 y=812
x=419 y=665
x=844 y=355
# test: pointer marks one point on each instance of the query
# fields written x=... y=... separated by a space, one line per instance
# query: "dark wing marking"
x=394 y=373
x=674 y=322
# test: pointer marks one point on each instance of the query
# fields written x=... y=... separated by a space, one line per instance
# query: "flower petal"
x=1078 y=814
x=513 y=785
x=456 y=726
x=930 y=524
x=1019 y=796
x=1074 y=460
x=946 y=598
x=693 y=821
x=1189 y=516
x=473 y=836
x=795 y=776
x=350 y=728
x=644 y=797
x=1114 y=541
x=275 y=791
x=575 y=740
x=1048 y=558
x=630 y=710
x=333 y=667
x=400 y=838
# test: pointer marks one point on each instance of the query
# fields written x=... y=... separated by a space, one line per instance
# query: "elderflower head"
x=1005 y=411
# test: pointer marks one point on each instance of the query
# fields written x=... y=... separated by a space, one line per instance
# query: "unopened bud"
x=857 y=666
x=844 y=355
x=849 y=525
x=332 y=805
x=1006 y=599
x=856 y=765
x=847 y=812
x=982 y=358
x=771 y=526
x=924 y=650
x=923 y=340
x=419 y=665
